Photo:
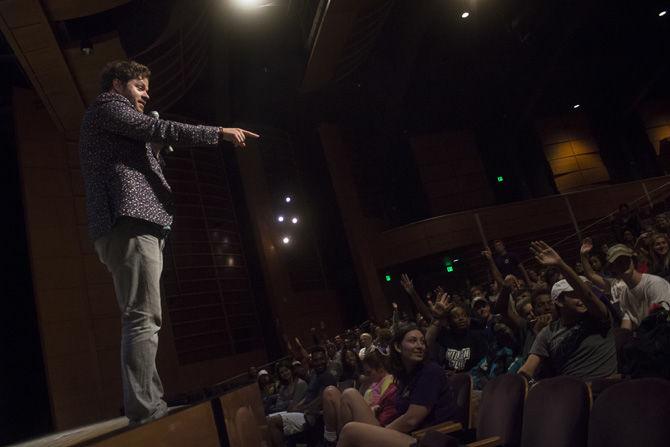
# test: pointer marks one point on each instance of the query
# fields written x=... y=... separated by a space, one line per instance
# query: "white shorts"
x=292 y=422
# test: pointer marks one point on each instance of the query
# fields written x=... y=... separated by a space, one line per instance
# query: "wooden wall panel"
x=571 y=152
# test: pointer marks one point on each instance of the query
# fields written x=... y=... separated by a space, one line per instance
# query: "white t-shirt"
x=636 y=302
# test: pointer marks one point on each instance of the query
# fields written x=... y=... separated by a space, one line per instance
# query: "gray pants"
x=133 y=253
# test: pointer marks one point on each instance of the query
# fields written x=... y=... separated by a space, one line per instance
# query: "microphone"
x=168 y=149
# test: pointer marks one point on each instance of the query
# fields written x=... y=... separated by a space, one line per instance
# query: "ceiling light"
x=465 y=15
x=280 y=218
x=576 y=106
x=286 y=240
x=662 y=13
x=248 y=3
x=294 y=220
x=288 y=199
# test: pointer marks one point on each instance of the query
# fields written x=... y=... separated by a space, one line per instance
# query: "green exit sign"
x=388 y=278
x=500 y=179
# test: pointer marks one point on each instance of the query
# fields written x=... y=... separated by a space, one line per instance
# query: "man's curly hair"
x=124 y=71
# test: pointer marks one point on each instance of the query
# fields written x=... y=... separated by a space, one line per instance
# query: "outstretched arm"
x=584 y=250
x=546 y=255
x=502 y=305
x=408 y=285
x=495 y=272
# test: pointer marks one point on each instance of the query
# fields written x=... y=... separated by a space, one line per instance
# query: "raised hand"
x=544 y=254
x=587 y=246
x=487 y=254
x=512 y=282
x=441 y=307
x=395 y=306
x=406 y=283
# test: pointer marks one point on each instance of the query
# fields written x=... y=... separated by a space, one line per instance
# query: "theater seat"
x=632 y=413
x=557 y=414
x=461 y=385
x=501 y=409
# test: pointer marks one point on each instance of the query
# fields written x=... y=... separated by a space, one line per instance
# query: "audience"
x=309 y=408
x=375 y=384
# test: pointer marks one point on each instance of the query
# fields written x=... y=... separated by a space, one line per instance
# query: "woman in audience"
x=291 y=389
x=351 y=370
x=380 y=397
x=424 y=397
x=660 y=255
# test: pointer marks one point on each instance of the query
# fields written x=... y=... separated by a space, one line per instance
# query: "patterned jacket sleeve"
x=121 y=118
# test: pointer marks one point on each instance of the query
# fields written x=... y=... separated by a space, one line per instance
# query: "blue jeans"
x=133 y=252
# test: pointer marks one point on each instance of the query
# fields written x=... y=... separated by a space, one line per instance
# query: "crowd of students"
x=377 y=384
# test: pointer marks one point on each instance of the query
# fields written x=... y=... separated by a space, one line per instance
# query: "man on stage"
x=129 y=211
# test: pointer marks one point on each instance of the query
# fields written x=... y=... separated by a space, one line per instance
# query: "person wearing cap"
x=581 y=342
x=642 y=291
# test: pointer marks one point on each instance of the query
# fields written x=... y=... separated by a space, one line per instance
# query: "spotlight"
x=662 y=13
x=465 y=15
x=576 y=106
x=288 y=199
x=294 y=220
x=280 y=218
x=247 y=4
x=86 y=46
x=286 y=240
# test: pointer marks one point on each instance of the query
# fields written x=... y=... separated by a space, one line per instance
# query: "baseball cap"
x=618 y=250
x=559 y=288
x=263 y=372
x=296 y=363
x=563 y=286
x=479 y=299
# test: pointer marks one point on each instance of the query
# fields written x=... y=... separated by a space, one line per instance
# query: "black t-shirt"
x=508 y=264
x=459 y=352
x=427 y=386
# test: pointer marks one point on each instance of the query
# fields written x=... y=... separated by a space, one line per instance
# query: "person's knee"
x=331 y=393
x=350 y=394
x=351 y=431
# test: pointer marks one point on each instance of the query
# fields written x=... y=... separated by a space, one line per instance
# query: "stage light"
x=247 y=4
x=576 y=106
x=662 y=13
x=388 y=278
x=465 y=15
x=280 y=218
x=450 y=269
x=294 y=220
x=500 y=179
x=288 y=199
x=286 y=240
